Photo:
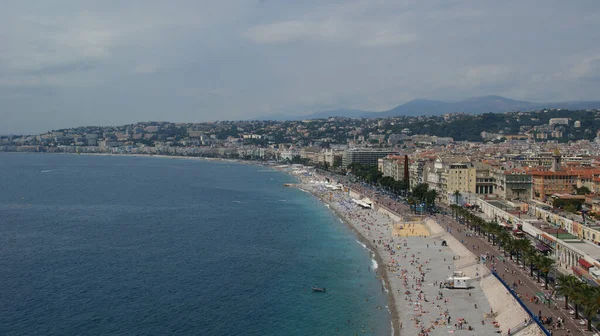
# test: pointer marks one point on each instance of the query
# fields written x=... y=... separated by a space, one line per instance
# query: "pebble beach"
x=414 y=260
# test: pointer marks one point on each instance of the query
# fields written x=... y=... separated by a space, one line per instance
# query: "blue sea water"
x=100 y=245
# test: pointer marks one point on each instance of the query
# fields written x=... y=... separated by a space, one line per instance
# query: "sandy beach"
x=413 y=265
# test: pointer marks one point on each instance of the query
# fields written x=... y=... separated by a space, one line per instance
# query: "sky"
x=68 y=63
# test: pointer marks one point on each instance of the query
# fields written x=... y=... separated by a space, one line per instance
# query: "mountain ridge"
x=421 y=106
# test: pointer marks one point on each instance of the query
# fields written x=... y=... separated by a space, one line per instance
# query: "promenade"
x=414 y=265
x=526 y=286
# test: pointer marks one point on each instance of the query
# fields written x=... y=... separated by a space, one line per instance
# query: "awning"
x=542 y=248
x=585 y=263
x=550 y=238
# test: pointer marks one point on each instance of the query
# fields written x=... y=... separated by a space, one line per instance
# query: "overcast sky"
x=66 y=63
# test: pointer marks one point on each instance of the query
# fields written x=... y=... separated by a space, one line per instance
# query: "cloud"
x=42 y=44
x=233 y=59
x=387 y=39
x=487 y=74
x=331 y=31
x=588 y=68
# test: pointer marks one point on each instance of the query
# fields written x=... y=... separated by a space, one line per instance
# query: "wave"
x=306 y=191
x=374 y=264
x=384 y=286
x=363 y=245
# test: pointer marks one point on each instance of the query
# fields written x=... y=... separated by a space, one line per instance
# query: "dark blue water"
x=94 y=245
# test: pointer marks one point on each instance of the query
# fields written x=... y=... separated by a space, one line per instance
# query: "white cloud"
x=487 y=74
x=588 y=68
x=338 y=31
x=42 y=43
x=387 y=39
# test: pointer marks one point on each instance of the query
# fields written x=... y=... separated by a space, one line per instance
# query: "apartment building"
x=363 y=156
x=392 y=166
x=449 y=174
x=512 y=183
x=416 y=172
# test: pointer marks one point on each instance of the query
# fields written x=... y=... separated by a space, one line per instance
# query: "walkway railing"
x=533 y=317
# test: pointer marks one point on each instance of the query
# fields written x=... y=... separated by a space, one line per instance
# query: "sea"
x=122 y=245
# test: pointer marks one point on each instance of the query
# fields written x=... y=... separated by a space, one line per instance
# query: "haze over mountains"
x=417 y=107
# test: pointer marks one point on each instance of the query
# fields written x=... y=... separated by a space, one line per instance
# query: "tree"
x=545 y=264
x=419 y=191
x=582 y=190
x=504 y=238
x=565 y=286
x=521 y=246
x=590 y=300
x=457 y=195
x=337 y=161
x=533 y=256
x=577 y=296
x=430 y=197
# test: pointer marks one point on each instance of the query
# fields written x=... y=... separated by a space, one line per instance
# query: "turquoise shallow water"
x=94 y=245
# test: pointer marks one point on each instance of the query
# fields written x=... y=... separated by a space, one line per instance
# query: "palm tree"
x=456 y=195
x=534 y=257
x=509 y=246
x=521 y=246
x=503 y=237
x=578 y=295
x=454 y=210
x=494 y=230
x=590 y=300
x=545 y=264
x=566 y=285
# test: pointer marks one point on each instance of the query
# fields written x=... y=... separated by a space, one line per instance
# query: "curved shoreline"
x=394 y=314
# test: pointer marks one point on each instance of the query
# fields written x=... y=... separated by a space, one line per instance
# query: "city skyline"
x=74 y=63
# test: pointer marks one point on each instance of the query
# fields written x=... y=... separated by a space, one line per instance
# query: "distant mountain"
x=474 y=105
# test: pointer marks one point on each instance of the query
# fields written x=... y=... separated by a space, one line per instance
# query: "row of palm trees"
x=581 y=294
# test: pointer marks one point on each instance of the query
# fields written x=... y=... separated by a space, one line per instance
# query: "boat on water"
x=287 y=184
x=318 y=289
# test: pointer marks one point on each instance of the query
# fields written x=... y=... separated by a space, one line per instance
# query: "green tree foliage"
x=582 y=191
x=570 y=205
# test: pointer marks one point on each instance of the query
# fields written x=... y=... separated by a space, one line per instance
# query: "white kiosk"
x=458 y=281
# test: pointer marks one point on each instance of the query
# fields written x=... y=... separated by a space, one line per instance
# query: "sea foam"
x=374 y=264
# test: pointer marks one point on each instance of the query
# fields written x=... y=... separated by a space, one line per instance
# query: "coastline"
x=394 y=314
x=484 y=306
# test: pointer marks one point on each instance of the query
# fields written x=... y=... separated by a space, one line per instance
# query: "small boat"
x=287 y=184
x=318 y=289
